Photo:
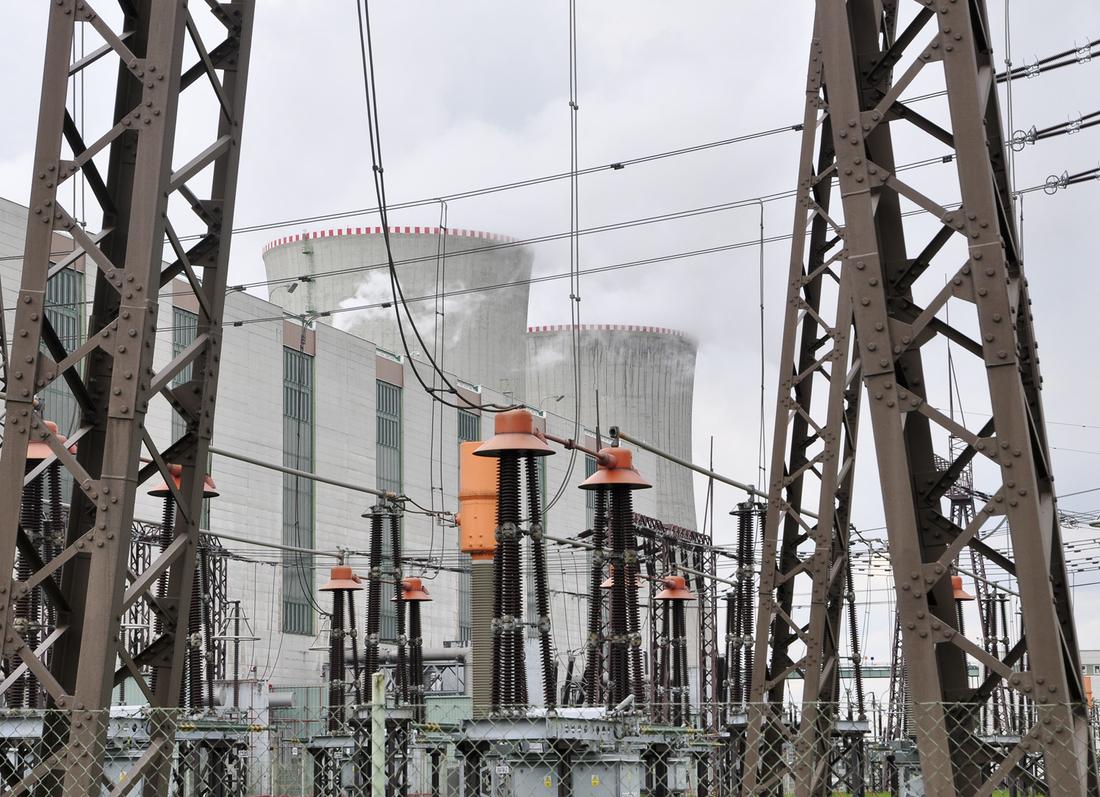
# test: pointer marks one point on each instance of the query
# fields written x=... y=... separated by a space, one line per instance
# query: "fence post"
x=378 y=735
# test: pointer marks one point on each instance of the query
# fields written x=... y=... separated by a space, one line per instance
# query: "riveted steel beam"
x=851 y=252
x=112 y=373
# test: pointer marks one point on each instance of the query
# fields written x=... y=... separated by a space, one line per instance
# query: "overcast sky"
x=475 y=93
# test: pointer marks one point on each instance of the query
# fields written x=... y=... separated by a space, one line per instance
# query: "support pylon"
x=854 y=325
x=111 y=374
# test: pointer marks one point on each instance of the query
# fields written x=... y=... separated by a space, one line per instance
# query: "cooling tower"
x=645 y=377
x=482 y=325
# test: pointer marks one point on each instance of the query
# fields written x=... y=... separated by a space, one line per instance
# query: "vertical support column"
x=377 y=734
x=881 y=329
x=111 y=374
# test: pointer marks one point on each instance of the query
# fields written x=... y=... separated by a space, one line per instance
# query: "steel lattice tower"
x=855 y=328
x=111 y=374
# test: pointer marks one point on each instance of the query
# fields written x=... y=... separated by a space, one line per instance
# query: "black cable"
x=1044 y=65
x=374 y=131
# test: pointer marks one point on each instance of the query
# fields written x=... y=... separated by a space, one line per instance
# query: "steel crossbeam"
x=145 y=199
x=853 y=251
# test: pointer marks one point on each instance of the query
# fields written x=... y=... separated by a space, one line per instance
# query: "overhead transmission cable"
x=370 y=91
x=1064 y=128
x=574 y=253
x=1092 y=174
x=1074 y=56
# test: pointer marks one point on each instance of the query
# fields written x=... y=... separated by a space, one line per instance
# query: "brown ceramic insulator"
x=193 y=667
x=508 y=642
x=400 y=676
x=748 y=613
x=356 y=670
x=622 y=524
x=416 y=661
x=617 y=670
x=54 y=532
x=853 y=629
x=374 y=593
x=164 y=539
x=542 y=586
x=731 y=691
x=594 y=661
x=744 y=598
x=336 y=662
x=633 y=628
x=21 y=694
x=679 y=664
x=207 y=624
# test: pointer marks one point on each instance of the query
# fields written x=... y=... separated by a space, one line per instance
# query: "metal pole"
x=378 y=735
x=115 y=374
x=618 y=434
x=302 y=474
x=236 y=654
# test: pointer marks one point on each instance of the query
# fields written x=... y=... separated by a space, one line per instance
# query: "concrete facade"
x=645 y=377
x=480 y=331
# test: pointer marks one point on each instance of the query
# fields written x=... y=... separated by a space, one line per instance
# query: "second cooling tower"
x=645 y=377
x=483 y=277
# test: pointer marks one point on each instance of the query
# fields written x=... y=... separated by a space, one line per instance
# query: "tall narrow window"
x=589 y=495
x=65 y=311
x=388 y=467
x=469 y=430
x=297 y=492
x=64 y=305
x=185 y=328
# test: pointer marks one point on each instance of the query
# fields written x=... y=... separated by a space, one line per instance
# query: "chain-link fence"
x=444 y=749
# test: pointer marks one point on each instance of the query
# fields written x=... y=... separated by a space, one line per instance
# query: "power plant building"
x=644 y=377
x=328 y=401
x=482 y=277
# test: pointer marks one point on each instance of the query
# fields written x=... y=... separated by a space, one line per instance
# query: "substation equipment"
x=602 y=734
x=854 y=332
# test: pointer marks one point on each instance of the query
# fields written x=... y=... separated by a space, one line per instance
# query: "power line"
x=370 y=90
x=753 y=242
x=615 y=226
x=1040 y=66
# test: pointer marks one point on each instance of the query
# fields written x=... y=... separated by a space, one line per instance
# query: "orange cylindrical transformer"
x=477 y=502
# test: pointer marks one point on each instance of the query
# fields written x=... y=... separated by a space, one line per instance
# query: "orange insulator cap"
x=209 y=489
x=412 y=589
x=477 y=502
x=514 y=433
x=38 y=450
x=675 y=590
x=341 y=577
x=957 y=588
x=620 y=473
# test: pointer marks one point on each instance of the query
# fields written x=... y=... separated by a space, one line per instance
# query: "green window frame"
x=64 y=300
x=388 y=476
x=185 y=328
x=469 y=431
x=298 y=497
